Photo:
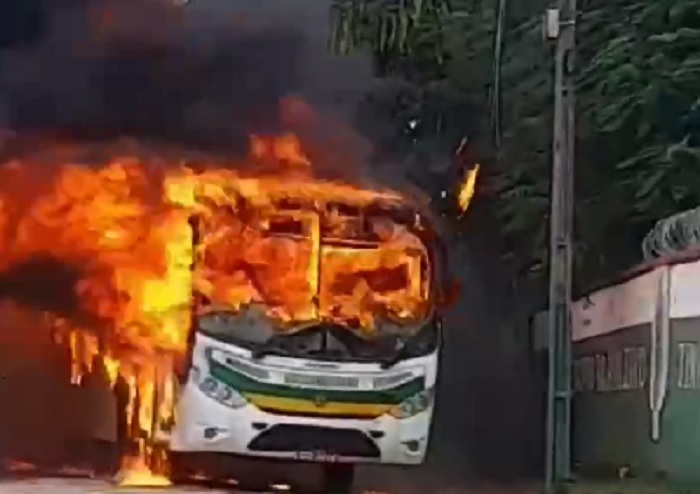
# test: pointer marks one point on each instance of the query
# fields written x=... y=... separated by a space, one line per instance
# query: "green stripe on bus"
x=244 y=384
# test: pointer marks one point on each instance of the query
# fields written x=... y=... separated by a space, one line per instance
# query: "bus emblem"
x=319 y=401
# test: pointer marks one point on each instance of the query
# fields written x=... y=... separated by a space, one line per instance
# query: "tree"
x=640 y=91
x=637 y=94
x=403 y=35
x=426 y=105
x=638 y=116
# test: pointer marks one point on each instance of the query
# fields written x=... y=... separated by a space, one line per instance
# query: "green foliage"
x=637 y=94
x=393 y=29
x=638 y=111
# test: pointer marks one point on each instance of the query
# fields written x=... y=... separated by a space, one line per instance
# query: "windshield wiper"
x=272 y=346
x=268 y=349
x=398 y=356
x=283 y=344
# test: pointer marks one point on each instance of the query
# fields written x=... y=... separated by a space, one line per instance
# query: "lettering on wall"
x=635 y=367
x=615 y=370
x=584 y=374
x=601 y=372
x=687 y=365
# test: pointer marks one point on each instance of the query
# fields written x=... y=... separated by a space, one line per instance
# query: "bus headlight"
x=414 y=405
x=230 y=397
x=222 y=393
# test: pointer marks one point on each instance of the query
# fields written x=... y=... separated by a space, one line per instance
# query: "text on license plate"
x=320 y=456
x=321 y=380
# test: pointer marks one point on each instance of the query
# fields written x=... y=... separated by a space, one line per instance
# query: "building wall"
x=613 y=331
x=610 y=409
x=680 y=451
x=611 y=406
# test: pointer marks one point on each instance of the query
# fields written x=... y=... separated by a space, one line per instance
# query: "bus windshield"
x=336 y=264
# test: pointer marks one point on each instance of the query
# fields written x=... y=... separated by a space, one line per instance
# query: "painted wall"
x=616 y=364
x=681 y=419
x=607 y=310
x=611 y=407
x=612 y=413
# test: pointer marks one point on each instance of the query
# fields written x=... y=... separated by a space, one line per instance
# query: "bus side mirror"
x=449 y=295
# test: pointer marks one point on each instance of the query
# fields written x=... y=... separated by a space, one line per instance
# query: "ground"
x=86 y=486
x=81 y=486
x=73 y=486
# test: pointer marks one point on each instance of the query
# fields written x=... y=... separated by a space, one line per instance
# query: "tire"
x=338 y=478
x=179 y=470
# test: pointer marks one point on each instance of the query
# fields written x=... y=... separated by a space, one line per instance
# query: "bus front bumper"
x=206 y=426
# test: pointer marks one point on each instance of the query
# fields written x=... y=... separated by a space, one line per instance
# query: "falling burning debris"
x=467 y=188
x=120 y=234
x=468 y=166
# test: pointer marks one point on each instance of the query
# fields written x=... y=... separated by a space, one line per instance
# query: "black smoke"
x=43 y=283
x=143 y=68
x=20 y=22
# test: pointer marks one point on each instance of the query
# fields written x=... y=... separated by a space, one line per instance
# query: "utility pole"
x=560 y=26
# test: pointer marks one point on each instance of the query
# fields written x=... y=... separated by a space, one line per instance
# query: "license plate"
x=319 y=456
x=322 y=381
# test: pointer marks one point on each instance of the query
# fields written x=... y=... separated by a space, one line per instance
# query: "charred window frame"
x=418 y=224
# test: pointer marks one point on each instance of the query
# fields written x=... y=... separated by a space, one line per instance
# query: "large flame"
x=124 y=228
x=135 y=473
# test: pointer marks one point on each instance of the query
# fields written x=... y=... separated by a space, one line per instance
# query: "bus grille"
x=293 y=438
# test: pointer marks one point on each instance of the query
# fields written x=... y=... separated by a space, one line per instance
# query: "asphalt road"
x=84 y=486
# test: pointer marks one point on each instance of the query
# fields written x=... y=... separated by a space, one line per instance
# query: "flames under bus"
x=329 y=352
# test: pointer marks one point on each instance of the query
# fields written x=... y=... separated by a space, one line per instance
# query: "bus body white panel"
x=207 y=425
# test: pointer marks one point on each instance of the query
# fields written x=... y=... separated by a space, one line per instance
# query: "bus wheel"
x=178 y=468
x=338 y=478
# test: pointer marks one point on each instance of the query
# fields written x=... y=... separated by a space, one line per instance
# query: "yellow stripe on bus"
x=296 y=405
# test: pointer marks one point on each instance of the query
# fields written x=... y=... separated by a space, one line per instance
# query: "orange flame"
x=467 y=188
x=135 y=473
x=283 y=241
x=285 y=149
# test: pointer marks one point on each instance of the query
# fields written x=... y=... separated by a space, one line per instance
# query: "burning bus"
x=301 y=316
x=315 y=328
